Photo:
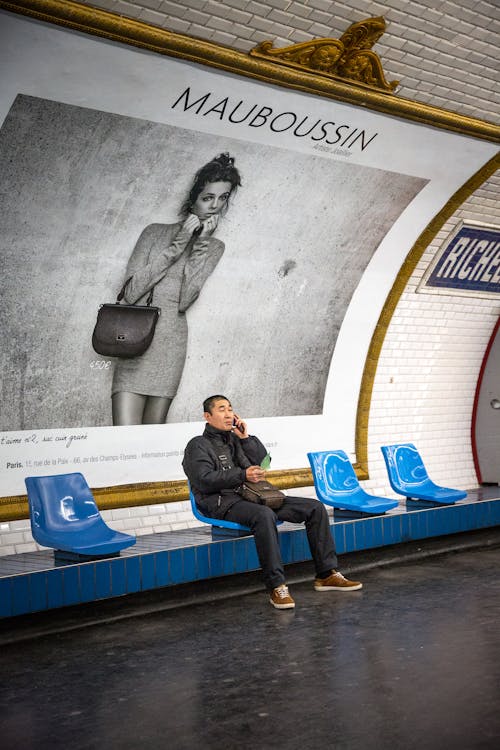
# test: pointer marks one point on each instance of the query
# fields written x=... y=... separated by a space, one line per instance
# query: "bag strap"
x=121 y=294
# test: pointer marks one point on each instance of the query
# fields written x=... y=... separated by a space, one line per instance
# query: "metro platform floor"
x=410 y=661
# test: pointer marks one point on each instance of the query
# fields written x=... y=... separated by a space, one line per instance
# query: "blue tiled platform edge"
x=33 y=582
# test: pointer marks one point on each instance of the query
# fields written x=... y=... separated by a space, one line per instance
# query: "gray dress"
x=177 y=265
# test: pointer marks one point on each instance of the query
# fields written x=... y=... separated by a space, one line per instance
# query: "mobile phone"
x=240 y=427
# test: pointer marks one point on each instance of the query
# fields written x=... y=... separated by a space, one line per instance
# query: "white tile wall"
x=425 y=383
x=444 y=53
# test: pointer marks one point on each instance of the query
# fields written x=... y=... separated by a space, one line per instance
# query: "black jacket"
x=215 y=464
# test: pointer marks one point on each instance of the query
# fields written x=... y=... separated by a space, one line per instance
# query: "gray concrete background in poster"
x=77 y=186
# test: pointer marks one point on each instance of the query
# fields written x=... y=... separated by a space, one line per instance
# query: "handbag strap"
x=121 y=293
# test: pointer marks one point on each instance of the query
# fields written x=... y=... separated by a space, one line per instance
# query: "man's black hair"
x=210 y=401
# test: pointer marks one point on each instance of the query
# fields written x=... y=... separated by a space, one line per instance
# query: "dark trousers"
x=262 y=522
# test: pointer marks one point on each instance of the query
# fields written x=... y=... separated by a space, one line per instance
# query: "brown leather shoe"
x=280 y=598
x=336 y=582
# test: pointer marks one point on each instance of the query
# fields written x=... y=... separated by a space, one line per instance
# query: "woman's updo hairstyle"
x=220 y=169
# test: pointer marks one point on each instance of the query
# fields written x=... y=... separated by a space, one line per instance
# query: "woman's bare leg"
x=127 y=407
x=156 y=410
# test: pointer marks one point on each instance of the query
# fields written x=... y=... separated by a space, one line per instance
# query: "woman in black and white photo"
x=174 y=260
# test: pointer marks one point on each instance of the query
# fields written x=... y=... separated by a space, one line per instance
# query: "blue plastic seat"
x=408 y=476
x=337 y=484
x=64 y=516
x=220 y=526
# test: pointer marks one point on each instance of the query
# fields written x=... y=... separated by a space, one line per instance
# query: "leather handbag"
x=125 y=330
x=263 y=493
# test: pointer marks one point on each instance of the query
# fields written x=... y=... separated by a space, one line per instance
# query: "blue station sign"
x=469 y=262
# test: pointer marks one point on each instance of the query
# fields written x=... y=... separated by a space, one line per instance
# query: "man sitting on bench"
x=218 y=462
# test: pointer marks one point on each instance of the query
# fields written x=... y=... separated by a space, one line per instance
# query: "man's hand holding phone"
x=239 y=427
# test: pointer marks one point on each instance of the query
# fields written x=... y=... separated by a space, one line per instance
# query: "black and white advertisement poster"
x=269 y=225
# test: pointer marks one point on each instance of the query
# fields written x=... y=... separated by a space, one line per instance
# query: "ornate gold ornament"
x=349 y=58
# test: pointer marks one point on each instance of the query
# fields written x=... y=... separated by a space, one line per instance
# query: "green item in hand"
x=266 y=462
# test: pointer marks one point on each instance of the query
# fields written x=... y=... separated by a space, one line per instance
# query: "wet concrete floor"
x=411 y=661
